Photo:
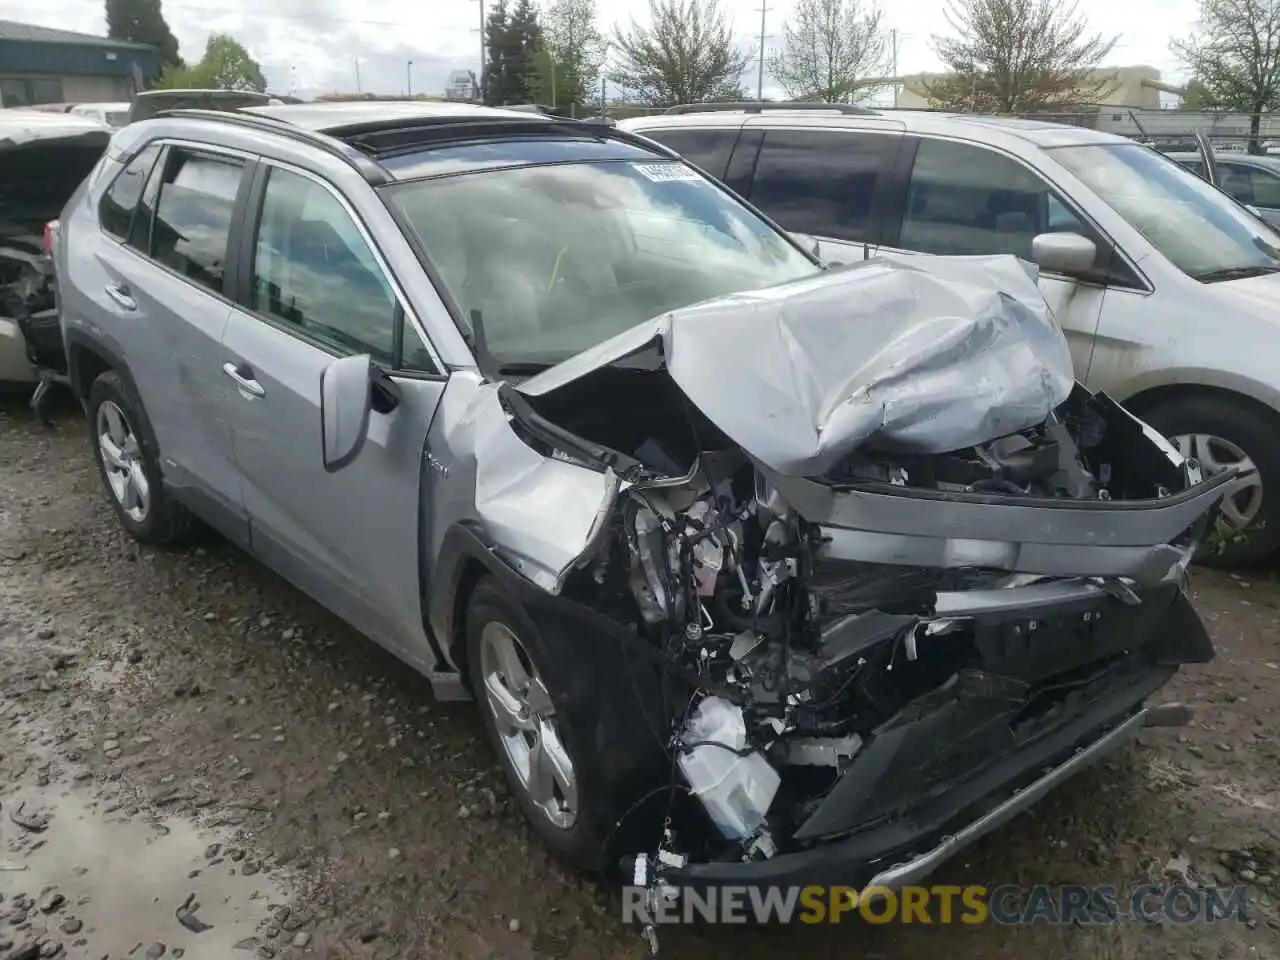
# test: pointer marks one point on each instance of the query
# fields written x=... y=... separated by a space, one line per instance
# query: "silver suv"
x=827 y=570
x=1168 y=290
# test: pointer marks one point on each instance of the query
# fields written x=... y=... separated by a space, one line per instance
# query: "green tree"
x=567 y=64
x=1196 y=96
x=832 y=47
x=1235 y=54
x=513 y=36
x=142 y=21
x=226 y=65
x=685 y=54
x=1018 y=56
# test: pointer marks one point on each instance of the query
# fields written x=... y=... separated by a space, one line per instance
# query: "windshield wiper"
x=523 y=368
x=1235 y=273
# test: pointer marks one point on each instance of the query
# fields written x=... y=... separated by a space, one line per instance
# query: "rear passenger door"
x=314 y=288
x=966 y=199
x=837 y=186
x=166 y=290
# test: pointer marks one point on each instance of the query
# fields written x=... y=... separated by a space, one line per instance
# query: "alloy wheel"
x=526 y=720
x=1239 y=511
x=122 y=461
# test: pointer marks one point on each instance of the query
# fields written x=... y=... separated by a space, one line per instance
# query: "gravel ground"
x=196 y=758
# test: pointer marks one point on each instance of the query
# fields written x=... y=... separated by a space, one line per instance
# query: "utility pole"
x=480 y=79
x=358 y=88
x=408 y=78
x=893 y=39
x=764 y=12
x=552 y=59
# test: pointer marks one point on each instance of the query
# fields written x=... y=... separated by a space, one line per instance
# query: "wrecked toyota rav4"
x=761 y=572
x=43 y=158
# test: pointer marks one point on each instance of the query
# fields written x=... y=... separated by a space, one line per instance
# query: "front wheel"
x=1221 y=432
x=533 y=728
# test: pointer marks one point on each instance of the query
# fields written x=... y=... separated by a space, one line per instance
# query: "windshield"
x=117 y=118
x=561 y=257
x=1203 y=232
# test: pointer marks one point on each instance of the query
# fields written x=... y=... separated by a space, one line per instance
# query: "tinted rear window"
x=822 y=183
x=119 y=203
x=193 y=217
x=708 y=149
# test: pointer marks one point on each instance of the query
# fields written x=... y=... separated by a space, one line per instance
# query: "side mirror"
x=346 y=399
x=1067 y=253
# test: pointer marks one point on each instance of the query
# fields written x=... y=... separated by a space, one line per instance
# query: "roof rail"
x=760 y=106
x=360 y=144
x=373 y=174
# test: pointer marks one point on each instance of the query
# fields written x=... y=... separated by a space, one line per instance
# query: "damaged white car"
x=761 y=573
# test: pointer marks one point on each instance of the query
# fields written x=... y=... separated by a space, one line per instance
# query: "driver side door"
x=315 y=289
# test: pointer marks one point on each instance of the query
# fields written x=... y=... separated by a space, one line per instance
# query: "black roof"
x=352 y=114
x=30 y=33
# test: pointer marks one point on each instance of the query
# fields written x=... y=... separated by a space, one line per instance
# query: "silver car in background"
x=1168 y=290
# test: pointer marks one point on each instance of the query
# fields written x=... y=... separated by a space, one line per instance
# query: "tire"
x=152 y=517
x=1248 y=528
x=580 y=843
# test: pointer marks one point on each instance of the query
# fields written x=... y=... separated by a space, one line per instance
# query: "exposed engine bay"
x=803 y=658
x=41 y=165
x=27 y=295
x=895 y=560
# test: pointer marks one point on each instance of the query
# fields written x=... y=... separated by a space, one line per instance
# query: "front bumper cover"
x=902 y=808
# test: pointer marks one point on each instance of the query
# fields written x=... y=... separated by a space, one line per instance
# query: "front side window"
x=192 y=224
x=967 y=200
x=121 y=200
x=558 y=258
x=1236 y=181
x=708 y=149
x=1264 y=186
x=1192 y=224
x=822 y=183
x=314 y=271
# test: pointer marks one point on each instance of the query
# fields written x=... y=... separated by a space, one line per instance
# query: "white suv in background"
x=1168 y=290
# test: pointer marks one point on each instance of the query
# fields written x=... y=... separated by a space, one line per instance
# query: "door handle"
x=247 y=385
x=119 y=292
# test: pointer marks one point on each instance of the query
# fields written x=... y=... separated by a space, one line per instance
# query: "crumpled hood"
x=928 y=356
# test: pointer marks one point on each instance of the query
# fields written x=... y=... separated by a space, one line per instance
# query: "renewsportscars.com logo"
x=973 y=904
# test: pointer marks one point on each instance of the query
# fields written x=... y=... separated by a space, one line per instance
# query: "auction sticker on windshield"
x=667 y=172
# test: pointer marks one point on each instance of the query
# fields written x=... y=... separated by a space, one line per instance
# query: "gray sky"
x=314 y=46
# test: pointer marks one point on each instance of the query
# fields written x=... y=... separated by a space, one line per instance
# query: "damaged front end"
x=43 y=160
x=905 y=568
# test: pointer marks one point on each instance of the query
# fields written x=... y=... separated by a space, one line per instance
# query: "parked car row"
x=1166 y=288
x=108 y=114
x=762 y=571
x=1250 y=180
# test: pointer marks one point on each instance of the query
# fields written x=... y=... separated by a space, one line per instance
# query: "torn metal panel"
x=541 y=513
x=922 y=357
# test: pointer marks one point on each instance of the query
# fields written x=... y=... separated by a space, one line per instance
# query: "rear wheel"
x=129 y=466
x=1221 y=432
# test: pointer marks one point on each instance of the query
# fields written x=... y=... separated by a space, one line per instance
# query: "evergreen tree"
x=142 y=21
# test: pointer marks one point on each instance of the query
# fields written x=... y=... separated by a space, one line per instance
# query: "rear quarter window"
x=115 y=213
x=707 y=149
x=823 y=183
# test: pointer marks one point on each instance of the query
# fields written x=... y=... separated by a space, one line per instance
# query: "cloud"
x=316 y=46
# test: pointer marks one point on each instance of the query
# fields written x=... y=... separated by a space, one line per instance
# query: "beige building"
x=1135 y=87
